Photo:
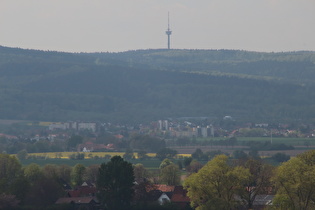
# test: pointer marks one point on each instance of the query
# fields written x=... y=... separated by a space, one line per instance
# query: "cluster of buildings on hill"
x=78 y=126
x=186 y=129
x=182 y=128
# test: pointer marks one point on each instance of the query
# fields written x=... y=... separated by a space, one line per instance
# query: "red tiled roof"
x=165 y=188
x=180 y=195
x=118 y=136
x=77 y=200
x=83 y=191
x=74 y=193
x=161 y=187
x=8 y=136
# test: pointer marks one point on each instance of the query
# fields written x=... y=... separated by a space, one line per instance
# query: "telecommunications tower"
x=168 y=33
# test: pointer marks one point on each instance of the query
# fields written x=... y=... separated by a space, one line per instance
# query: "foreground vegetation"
x=221 y=183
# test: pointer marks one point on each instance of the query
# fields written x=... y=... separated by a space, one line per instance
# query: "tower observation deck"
x=168 y=33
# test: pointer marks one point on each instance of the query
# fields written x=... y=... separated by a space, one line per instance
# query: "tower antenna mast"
x=168 y=33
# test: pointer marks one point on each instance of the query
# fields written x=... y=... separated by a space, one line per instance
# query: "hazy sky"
x=120 y=25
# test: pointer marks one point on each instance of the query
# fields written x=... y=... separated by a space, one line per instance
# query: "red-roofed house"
x=180 y=197
x=161 y=187
x=89 y=203
x=83 y=197
x=83 y=191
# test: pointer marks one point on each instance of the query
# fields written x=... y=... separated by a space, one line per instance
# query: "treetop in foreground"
x=295 y=183
x=215 y=185
x=115 y=184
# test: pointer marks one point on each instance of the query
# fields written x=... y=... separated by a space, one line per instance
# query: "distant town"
x=181 y=129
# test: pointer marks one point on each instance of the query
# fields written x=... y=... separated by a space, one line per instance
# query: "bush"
x=259 y=146
x=280 y=157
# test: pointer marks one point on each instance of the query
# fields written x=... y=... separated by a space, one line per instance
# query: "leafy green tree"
x=240 y=154
x=115 y=184
x=187 y=161
x=199 y=155
x=92 y=173
x=295 y=183
x=10 y=171
x=180 y=164
x=20 y=188
x=44 y=192
x=78 y=174
x=308 y=157
x=74 y=141
x=280 y=157
x=170 y=174
x=51 y=171
x=140 y=172
x=194 y=166
x=252 y=132
x=166 y=153
x=165 y=163
x=43 y=188
x=215 y=185
x=22 y=155
x=64 y=172
x=259 y=181
x=33 y=172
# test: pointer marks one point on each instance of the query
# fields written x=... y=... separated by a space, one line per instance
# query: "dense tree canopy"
x=78 y=174
x=170 y=175
x=10 y=170
x=166 y=153
x=215 y=185
x=115 y=182
x=295 y=183
x=259 y=182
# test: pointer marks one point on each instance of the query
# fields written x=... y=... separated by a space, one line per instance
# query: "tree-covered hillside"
x=296 y=67
x=146 y=85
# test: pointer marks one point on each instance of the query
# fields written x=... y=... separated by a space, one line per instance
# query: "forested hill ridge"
x=145 y=85
x=296 y=67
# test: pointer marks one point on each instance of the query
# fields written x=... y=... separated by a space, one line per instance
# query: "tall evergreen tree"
x=115 y=184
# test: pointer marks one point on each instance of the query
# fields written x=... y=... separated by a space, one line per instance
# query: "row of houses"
x=84 y=196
